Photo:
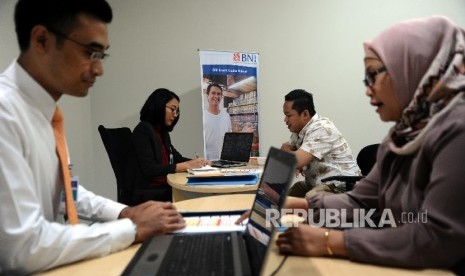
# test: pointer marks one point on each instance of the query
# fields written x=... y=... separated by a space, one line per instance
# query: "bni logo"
x=246 y=58
x=236 y=57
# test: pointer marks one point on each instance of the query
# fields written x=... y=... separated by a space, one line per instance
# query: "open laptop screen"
x=237 y=146
x=274 y=184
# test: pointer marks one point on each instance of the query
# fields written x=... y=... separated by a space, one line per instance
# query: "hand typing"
x=153 y=218
x=243 y=217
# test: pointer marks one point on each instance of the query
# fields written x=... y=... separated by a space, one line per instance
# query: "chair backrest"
x=366 y=158
x=117 y=142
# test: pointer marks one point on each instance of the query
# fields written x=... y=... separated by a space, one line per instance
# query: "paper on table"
x=205 y=170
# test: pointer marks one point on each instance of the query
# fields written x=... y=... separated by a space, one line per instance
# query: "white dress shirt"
x=31 y=237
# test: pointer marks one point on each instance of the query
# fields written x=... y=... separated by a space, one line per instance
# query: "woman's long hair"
x=154 y=109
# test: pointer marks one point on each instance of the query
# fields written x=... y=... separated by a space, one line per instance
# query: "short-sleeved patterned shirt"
x=332 y=155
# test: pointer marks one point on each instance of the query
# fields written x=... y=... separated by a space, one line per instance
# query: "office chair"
x=119 y=147
x=117 y=142
x=366 y=158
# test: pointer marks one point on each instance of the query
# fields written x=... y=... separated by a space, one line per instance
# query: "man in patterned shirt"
x=320 y=148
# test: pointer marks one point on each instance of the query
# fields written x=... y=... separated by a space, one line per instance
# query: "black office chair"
x=120 y=150
x=117 y=142
x=366 y=158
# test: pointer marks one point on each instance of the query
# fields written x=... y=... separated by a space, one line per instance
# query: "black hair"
x=214 y=85
x=302 y=100
x=154 y=111
x=57 y=14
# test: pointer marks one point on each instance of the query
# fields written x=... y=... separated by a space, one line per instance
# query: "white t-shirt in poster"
x=214 y=127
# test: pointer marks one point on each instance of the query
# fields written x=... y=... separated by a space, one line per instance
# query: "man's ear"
x=306 y=113
x=41 y=39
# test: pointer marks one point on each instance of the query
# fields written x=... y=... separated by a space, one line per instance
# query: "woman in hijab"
x=409 y=211
x=155 y=155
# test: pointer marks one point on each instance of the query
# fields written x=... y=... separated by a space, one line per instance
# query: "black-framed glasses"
x=93 y=53
x=370 y=76
x=175 y=110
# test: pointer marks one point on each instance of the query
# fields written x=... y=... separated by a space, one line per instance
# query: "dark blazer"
x=146 y=160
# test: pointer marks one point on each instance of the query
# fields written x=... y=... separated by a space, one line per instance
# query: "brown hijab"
x=425 y=60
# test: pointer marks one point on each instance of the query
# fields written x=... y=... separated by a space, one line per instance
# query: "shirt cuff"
x=122 y=233
x=111 y=211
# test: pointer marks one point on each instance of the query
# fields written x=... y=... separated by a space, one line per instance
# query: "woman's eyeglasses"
x=174 y=110
x=370 y=76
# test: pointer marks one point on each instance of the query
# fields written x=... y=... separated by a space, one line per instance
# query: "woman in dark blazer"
x=155 y=155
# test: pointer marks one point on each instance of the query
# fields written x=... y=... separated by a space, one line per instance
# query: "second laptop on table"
x=235 y=151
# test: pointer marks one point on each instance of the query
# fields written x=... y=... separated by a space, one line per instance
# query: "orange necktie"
x=60 y=139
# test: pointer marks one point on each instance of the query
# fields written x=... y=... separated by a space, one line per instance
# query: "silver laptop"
x=222 y=253
x=235 y=151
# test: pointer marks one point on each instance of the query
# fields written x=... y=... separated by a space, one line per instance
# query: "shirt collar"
x=304 y=129
x=31 y=91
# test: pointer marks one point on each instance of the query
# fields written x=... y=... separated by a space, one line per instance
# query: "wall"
x=310 y=44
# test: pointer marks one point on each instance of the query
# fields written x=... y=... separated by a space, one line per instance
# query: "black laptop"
x=222 y=253
x=235 y=151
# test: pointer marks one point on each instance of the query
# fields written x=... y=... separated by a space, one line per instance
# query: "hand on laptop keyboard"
x=242 y=218
x=153 y=218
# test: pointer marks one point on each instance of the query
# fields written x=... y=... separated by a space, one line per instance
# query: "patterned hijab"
x=425 y=60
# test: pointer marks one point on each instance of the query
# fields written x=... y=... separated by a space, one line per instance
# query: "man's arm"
x=303 y=158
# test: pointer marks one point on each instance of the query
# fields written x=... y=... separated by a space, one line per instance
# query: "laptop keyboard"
x=199 y=255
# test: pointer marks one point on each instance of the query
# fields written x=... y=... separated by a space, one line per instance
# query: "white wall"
x=310 y=44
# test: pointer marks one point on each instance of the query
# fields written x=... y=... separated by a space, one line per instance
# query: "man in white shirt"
x=62 y=47
x=216 y=122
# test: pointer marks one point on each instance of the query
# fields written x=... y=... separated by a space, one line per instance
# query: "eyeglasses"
x=174 y=110
x=93 y=53
x=370 y=76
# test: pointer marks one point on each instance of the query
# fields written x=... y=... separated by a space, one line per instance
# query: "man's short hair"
x=57 y=14
x=214 y=85
x=302 y=100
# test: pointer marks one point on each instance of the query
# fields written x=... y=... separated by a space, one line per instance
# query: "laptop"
x=235 y=151
x=222 y=253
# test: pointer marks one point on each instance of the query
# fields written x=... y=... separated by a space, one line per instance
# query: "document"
x=204 y=171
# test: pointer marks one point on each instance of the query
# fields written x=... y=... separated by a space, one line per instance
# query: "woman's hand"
x=243 y=217
x=293 y=202
x=196 y=163
x=306 y=240
x=191 y=164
